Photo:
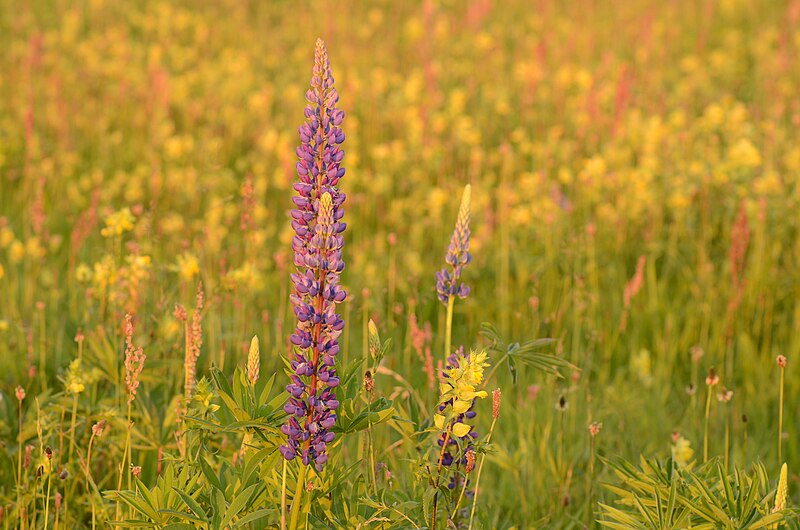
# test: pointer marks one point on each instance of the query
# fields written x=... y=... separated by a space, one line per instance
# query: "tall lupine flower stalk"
x=317 y=245
x=457 y=257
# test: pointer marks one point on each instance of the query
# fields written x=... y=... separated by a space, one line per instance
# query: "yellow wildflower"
x=187 y=266
x=118 y=223
x=682 y=452
x=459 y=388
x=16 y=252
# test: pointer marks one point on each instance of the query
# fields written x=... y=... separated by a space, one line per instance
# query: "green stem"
x=727 y=439
x=47 y=502
x=283 y=495
x=478 y=477
x=298 y=495
x=439 y=475
x=125 y=453
x=705 y=425
x=19 y=465
x=780 y=421
x=448 y=326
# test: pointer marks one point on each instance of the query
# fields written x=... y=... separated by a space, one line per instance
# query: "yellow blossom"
x=682 y=452
x=187 y=266
x=118 y=223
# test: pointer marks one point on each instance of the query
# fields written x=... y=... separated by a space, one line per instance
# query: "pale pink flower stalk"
x=134 y=360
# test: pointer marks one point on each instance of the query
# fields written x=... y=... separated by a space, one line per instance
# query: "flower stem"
x=441 y=458
x=448 y=326
x=19 y=465
x=705 y=426
x=298 y=495
x=283 y=495
x=47 y=501
x=780 y=419
x=478 y=477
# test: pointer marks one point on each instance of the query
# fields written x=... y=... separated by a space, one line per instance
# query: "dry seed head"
x=134 y=360
x=470 y=456
x=496 y=398
x=712 y=378
x=369 y=382
x=20 y=393
x=696 y=352
x=253 y=360
x=99 y=427
x=180 y=312
x=594 y=428
x=724 y=395
x=781 y=360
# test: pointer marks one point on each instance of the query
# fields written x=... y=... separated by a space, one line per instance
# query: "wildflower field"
x=456 y=264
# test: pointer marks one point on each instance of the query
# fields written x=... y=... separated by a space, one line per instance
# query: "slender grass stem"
x=780 y=420
x=439 y=477
x=705 y=425
x=478 y=477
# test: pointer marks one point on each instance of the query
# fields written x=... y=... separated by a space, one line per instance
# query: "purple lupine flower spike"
x=457 y=256
x=317 y=245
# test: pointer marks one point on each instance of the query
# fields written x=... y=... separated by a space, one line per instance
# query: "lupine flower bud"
x=374 y=339
x=783 y=490
x=253 y=361
x=457 y=256
x=317 y=245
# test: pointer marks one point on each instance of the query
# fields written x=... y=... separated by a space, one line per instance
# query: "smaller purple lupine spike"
x=457 y=256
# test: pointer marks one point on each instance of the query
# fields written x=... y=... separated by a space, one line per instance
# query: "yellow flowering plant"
x=459 y=389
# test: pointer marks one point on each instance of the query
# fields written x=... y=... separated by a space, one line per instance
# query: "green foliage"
x=660 y=496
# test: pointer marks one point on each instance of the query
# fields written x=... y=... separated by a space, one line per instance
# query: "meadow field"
x=479 y=264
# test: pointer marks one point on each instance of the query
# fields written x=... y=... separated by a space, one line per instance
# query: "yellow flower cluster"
x=459 y=390
x=118 y=223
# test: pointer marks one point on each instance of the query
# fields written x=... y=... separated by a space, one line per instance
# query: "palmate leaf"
x=526 y=353
x=659 y=496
